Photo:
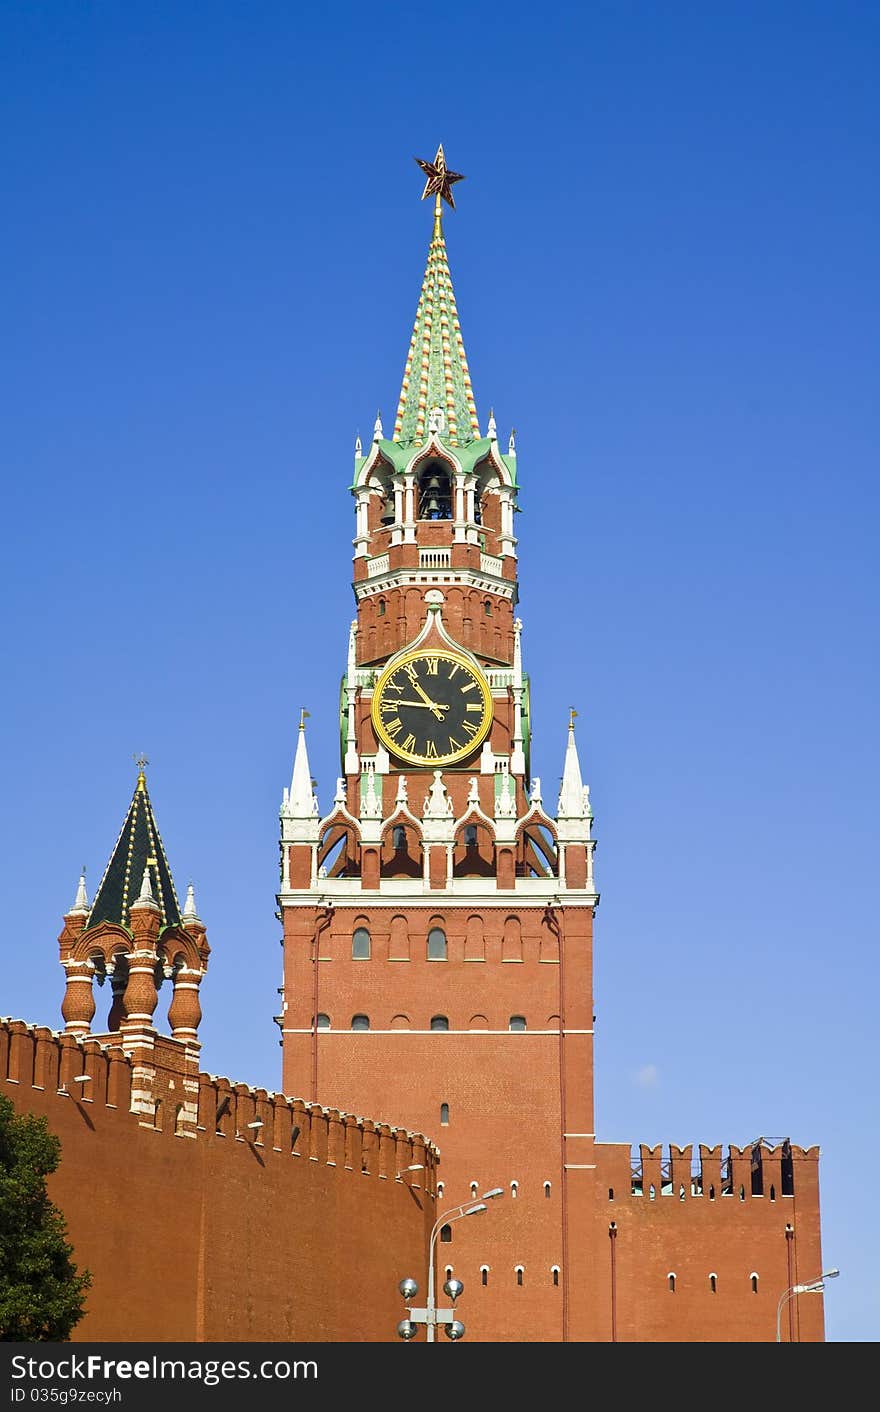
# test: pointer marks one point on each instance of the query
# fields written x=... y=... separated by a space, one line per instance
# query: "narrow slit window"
x=519 y=1274
x=484 y=1274
x=753 y=1280
x=713 y=1283
x=444 y=1114
x=671 y=1280
x=547 y=1191
x=554 y=1270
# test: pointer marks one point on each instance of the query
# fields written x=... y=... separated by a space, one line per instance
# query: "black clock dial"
x=432 y=708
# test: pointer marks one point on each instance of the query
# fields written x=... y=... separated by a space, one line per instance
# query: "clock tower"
x=438 y=916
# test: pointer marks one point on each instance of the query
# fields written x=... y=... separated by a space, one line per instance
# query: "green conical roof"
x=436 y=372
x=138 y=846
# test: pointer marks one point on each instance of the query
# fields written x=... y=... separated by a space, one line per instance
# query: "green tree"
x=41 y=1291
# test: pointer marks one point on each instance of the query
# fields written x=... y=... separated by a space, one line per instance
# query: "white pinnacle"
x=358 y=449
x=573 y=797
x=377 y=428
x=301 y=802
x=189 y=907
x=491 y=428
x=146 y=898
x=81 y=901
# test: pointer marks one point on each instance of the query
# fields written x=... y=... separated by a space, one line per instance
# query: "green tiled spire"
x=436 y=372
x=138 y=848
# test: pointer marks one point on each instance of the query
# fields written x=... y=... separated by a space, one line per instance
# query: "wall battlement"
x=252 y=1233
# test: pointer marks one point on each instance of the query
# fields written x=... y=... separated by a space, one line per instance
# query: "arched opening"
x=474 y=1189
x=446 y=1234
x=436 y=944
x=554 y=1271
x=514 y=1190
x=536 y=853
x=520 y=1270
x=339 y=853
x=547 y=1191
x=713 y=1283
x=671 y=1280
x=439 y=1022
x=611 y=1193
x=753 y=1279
x=434 y=492
x=401 y=852
x=517 y=1024
x=444 y=1114
x=484 y=1275
x=178 y=1118
x=474 y=852
x=322 y=1022
x=360 y=1022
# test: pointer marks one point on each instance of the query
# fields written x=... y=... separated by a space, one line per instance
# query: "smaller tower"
x=135 y=938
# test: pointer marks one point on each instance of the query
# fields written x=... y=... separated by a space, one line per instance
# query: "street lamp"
x=811 y=1287
x=431 y=1316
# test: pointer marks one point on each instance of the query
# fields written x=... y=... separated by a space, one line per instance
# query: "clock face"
x=432 y=707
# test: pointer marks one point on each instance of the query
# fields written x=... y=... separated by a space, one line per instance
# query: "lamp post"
x=811 y=1287
x=431 y=1316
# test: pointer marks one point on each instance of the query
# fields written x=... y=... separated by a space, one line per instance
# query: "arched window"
x=470 y=836
x=547 y=1191
x=514 y=1190
x=439 y=1022
x=449 y=1272
x=360 y=944
x=554 y=1271
x=519 y=1274
x=474 y=1190
x=753 y=1280
x=436 y=944
x=484 y=1274
x=713 y=1283
x=440 y=1186
x=446 y=1234
x=487 y=608
x=381 y=607
x=671 y=1278
x=323 y=1022
x=517 y=1024
x=398 y=838
x=360 y=1022
x=444 y=1113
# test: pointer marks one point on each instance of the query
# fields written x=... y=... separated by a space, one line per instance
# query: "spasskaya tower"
x=438 y=916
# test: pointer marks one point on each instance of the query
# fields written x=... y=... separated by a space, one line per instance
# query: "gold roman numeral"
x=409 y=743
x=470 y=686
x=411 y=673
x=431 y=665
x=474 y=706
x=431 y=750
x=453 y=669
x=469 y=727
x=386 y=706
x=393 y=728
x=454 y=744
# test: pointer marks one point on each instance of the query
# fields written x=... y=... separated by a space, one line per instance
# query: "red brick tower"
x=438 y=918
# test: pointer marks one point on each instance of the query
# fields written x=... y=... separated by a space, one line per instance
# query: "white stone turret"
x=146 y=898
x=573 y=811
x=301 y=801
x=190 y=911
x=81 y=902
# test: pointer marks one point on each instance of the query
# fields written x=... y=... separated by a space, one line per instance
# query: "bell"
x=432 y=508
x=433 y=485
x=387 y=518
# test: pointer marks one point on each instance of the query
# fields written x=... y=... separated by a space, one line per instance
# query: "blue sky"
x=664 y=255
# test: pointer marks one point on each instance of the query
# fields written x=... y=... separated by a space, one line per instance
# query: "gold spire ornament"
x=439 y=180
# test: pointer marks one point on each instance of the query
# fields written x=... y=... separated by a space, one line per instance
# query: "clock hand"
x=434 y=706
x=426 y=698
